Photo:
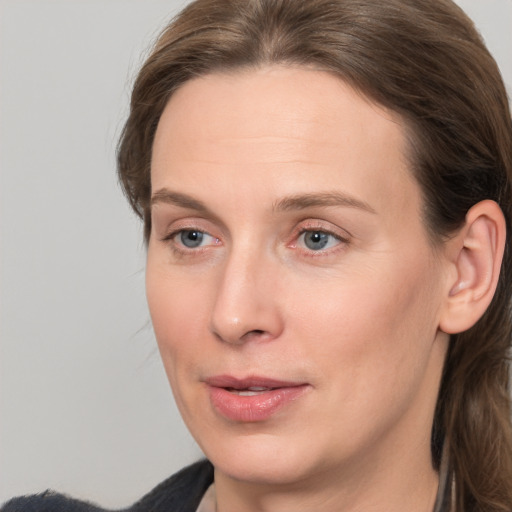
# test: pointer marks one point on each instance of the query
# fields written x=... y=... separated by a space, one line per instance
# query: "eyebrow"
x=322 y=199
x=295 y=202
x=167 y=196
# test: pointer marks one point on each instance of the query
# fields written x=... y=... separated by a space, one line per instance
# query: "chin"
x=266 y=472
x=260 y=459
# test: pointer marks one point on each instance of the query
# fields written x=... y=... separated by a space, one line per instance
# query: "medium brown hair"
x=424 y=60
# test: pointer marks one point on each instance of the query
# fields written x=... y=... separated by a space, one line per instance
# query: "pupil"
x=191 y=238
x=316 y=240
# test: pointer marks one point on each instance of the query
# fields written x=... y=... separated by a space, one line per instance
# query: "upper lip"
x=228 y=381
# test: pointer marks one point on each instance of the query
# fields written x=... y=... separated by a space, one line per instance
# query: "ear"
x=475 y=256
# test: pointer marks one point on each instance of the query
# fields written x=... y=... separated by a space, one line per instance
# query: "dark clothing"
x=181 y=492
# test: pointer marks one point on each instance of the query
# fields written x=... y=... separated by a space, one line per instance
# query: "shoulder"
x=182 y=492
x=48 y=501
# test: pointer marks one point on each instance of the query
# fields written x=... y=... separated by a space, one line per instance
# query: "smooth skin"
x=288 y=242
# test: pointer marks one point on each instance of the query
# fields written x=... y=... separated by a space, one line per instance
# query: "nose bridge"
x=244 y=306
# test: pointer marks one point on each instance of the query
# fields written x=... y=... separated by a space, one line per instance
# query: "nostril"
x=255 y=333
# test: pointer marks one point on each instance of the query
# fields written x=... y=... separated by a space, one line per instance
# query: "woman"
x=326 y=193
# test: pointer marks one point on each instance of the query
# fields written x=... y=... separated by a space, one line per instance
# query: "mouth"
x=250 y=391
x=252 y=399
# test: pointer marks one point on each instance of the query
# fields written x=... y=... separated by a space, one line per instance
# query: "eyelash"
x=343 y=241
x=182 y=250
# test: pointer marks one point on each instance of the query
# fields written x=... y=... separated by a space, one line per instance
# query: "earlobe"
x=477 y=252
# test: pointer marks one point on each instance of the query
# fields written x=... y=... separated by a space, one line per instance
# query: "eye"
x=193 y=238
x=317 y=240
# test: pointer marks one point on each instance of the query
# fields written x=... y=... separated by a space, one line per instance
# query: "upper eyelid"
x=180 y=249
x=331 y=232
x=339 y=238
x=187 y=224
x=175 y=232
x=319 y=225
x=342 y=236
x=302 y=226
x=192 y=218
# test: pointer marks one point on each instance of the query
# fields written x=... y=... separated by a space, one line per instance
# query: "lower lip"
x=253 y=408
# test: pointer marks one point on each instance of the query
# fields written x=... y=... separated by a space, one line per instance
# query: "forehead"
x=294 y=127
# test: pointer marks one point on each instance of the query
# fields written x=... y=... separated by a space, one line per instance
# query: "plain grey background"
x=84 y=403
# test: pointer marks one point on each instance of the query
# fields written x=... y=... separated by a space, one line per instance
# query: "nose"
x=246 y=304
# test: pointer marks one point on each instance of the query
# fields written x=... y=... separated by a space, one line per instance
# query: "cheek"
x=178 y=321
x=373 y=331
x=178 y=316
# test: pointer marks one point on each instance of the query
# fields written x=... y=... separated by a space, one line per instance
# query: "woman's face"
x=293 y=291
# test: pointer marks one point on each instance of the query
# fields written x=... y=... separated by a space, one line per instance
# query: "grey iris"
x=316 y=240
x=191 y=239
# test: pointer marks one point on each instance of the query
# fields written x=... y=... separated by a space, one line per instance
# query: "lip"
x=253 y=408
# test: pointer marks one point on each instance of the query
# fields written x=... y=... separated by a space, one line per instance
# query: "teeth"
x=252 y=391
